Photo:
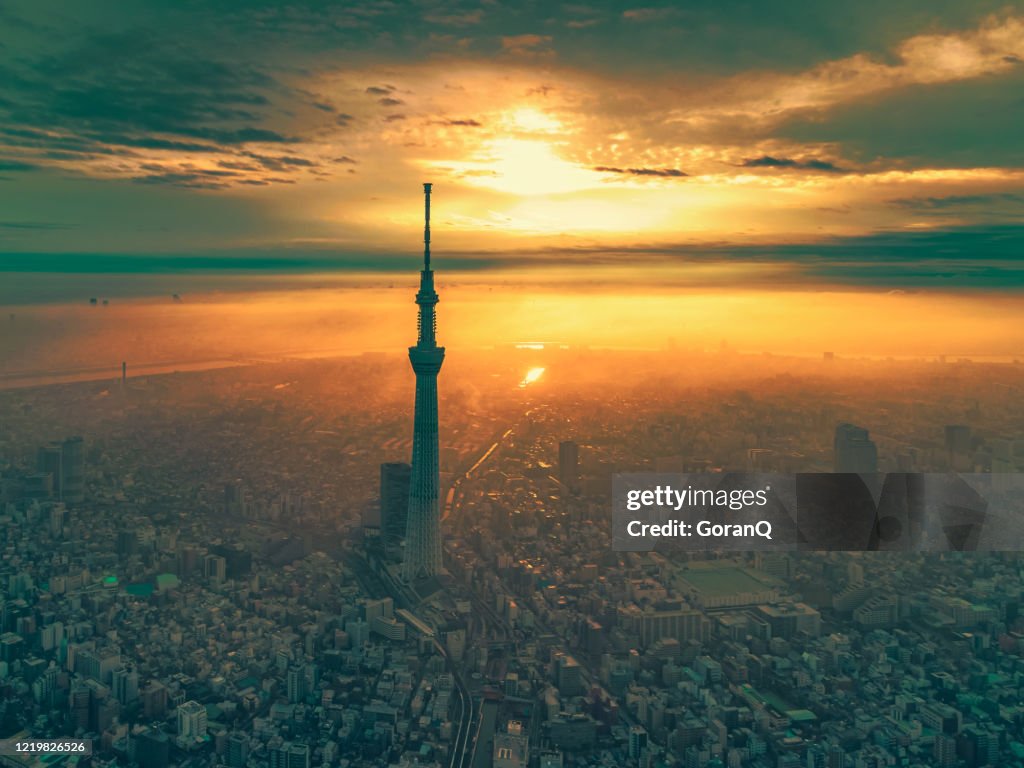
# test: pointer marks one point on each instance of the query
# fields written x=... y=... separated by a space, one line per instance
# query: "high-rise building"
x=944 y=751
x=958 y=445
x=191 y=722
x=637 y=741
x=423 y=526
x=73 y=482
x=394 y=501
x=296 y=684
x=78 y=703
x=50 y=460
x=154 y=700
x=568 y=675
x=125 y=682
x=854 y=451
x=215 y=568
x=238 y=750
x=569 y=464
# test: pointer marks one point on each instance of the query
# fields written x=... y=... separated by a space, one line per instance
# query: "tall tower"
x=423 y=525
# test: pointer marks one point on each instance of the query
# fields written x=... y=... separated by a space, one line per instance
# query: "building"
x=154 y=700
x=73 y=463
x=125 y=684
x=854 y=451
x=652 y=624
x=788 y=619
x=958 y=447
x=423 y=526
x=191 y=723
x=394 y=501
x=152 y=748
x=50 y=460
x=569 y=465
x=511 y=749
x=568 y=675
x=238 y=750
x=879 y=611
x=637 y=741
x=295 y=680
x=290 y=755
x=215 y=568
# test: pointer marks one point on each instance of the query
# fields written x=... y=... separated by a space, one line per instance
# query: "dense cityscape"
x=205 y=569
x=703 y=448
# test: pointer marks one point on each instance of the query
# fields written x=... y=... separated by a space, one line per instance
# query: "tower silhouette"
x=423 y=525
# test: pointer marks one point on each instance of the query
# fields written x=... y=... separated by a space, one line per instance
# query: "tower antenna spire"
x=426 y=224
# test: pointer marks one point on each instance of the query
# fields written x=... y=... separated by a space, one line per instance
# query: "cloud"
x=343 y=119
x=649 y=14
x=123 y=104
x=957 y=201
x=390 y=102
x=669 y=172
x=16 y=165
x=467 y=19
x=379 y=90
x=281 y=162
x=394 y=118
x=463 y=121
x=526 y=45
x=768 y=161
x=204 y=180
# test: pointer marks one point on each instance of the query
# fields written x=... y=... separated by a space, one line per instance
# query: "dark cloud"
x=464 y=122
x=323 y=107
x=377 y=90
x=189 y=180
x=343 y=118
x=113 y=93
x=952 y=259
x=280 y=162
x=390 y=102
x=769 y=161
x=957 y=201
x=16 y=165
x=344 y=159
x=967 y=124
x=673 y=172
x=394 y=118
x=151 y=142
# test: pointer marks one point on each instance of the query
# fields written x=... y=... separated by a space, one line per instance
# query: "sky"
x=792 y=145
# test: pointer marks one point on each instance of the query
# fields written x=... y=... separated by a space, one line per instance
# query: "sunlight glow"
x=523 y=167
x=531 y=376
